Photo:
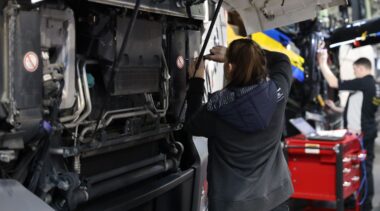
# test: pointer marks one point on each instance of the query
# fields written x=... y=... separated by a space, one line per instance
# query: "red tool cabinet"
x=324 y=170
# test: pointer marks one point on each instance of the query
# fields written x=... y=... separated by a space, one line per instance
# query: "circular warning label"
x=180 y=62
x=30 y=61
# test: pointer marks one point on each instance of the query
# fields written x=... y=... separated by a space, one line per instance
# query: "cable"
x=218 y=6
x=203 y=49
x=364 y=182
x=117 y=61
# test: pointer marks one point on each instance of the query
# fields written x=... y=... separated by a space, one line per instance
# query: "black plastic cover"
x=184 y=46
x=27 y=82
x=22 y=76
x=140 y=68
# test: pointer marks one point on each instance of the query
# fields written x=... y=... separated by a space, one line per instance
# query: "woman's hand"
x=333 y=107
x=322 y=55
x=217 y=54
x=330 y=104
x=200 y=73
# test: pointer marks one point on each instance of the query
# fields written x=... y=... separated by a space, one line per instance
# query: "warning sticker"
x=180 y=62
x=312 y=149
x=30 y=61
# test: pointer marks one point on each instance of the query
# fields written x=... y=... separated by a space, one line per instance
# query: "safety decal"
x=180 y=62
x=30 y=61
x=312 y=149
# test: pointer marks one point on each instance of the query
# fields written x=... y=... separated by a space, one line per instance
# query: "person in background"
x=243 y=122
x=359 y=114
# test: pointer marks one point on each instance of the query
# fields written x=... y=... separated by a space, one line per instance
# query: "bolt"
x=5 y=158
x=63 y=185
x=174 y=150
x=62 y=203
x=45 y=55
x=48 y=199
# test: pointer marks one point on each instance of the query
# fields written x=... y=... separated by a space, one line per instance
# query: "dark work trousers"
x=369 y=145
x=282 y=207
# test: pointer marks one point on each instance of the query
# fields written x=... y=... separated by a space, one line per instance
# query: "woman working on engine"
x=244 y=123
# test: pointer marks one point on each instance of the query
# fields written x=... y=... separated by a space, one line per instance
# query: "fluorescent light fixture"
x=36 y=1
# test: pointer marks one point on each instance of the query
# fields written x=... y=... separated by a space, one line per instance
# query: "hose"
x=364 y=182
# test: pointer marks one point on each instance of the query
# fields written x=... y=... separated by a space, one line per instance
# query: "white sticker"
x=30 y=61
x=47 y=77
x=312 y=149
x=180 y=62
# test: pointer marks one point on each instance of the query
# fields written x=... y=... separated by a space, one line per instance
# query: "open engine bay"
x=91 y=101
x=93 y=95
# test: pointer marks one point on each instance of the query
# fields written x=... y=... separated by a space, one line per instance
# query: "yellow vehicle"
x=271 y=44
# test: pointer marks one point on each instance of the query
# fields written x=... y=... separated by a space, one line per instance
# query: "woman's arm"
x=279 y=70
x=195 y=94
x=197 y=118
x=217 y=54
x=196 y=88
x=333 y=107
x=325 y=69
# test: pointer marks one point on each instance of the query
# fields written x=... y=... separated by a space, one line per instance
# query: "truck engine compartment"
x=90 y=109
x=93 y=93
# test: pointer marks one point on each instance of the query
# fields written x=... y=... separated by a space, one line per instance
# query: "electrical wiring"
x=364 y=181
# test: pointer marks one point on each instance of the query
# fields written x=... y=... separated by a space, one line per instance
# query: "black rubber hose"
x=125 y=169
x=117 y=61
x=128 y=179
x=208 y=35
x=39 y=165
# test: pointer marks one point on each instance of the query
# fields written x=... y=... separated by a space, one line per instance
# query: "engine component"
x=125 y=169
x=58 y=37
x=7 y=156
x=182 y=49
x=172 y=8
x=80 y=99
x=78 y=119
x=134 y=146
x=21 y=76
x=110 y=116
x=53 y=84
x=130 y=178
x=139 y=69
